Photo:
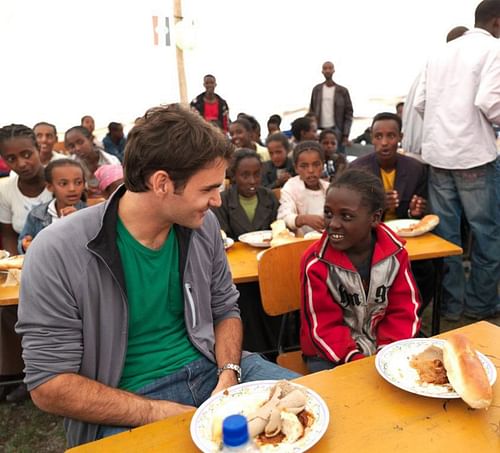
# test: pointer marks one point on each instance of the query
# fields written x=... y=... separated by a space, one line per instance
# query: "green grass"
x=26 y=429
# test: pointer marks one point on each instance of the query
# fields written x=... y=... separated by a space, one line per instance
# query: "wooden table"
x=367 y=414
x=9 y=295
x=243 y=258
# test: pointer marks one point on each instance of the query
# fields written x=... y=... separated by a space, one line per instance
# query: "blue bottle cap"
x=235 y=430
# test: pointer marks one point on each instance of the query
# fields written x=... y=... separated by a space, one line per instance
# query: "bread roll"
x=466 y=372
x=426 y=224
x=14 y=262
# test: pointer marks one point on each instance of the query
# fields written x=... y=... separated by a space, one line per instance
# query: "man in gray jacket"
x=127 y=311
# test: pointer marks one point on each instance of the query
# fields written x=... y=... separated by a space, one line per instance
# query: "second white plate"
x=393 y=364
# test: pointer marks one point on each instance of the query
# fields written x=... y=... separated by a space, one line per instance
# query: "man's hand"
x=417 y=206
x=26 y=242
x=391 y=199
x=314 y=221
x=226 y=379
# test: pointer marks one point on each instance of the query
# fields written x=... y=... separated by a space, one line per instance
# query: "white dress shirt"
x=459 y=98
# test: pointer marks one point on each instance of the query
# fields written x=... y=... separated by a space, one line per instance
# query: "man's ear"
x=160 y=182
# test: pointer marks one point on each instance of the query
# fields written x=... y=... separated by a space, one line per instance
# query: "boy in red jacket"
x=358 y=290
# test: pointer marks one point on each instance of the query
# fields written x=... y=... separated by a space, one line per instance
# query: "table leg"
x=438 y=295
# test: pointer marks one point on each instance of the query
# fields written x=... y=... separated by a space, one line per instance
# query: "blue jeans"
x=472 y=192
x=315 y=364
x=194 y=383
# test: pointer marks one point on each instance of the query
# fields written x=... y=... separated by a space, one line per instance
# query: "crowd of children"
x=302 y=180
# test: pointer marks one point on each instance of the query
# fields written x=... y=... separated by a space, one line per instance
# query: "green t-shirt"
x=249 y=205
x=158 y=343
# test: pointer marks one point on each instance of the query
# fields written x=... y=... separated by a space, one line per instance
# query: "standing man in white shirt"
x=332 y=106
x=459 y=98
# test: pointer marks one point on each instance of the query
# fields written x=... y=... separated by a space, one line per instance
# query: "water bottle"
x=235 y=435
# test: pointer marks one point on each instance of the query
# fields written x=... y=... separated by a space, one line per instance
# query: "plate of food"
x=434 y=368
x=12 y=262
x=257 y=238
x=282 y=416
x=413 y=227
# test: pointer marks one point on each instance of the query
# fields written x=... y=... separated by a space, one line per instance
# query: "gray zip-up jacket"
x=73 y=313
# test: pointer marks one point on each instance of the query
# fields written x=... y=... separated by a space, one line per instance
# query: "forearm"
x=78 y=397
x=228 y=340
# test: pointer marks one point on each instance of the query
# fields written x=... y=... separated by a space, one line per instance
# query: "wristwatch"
x=233 y=367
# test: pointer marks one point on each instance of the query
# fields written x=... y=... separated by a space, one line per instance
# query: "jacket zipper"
x=191 y=302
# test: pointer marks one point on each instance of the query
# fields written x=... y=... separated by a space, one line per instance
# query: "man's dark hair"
x=279 y=137
x=16 y=131
x=173 y=139
x=208 y=75
x=485 y=11
x=365 y=183
x=299 y=125
x=388 y=116
x=43 y=123
x=307 y=145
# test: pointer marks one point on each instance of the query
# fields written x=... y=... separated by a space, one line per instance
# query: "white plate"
x=244 y=399
x=257 y=238
x=4 y=254
x=396 y=225
x=393 y=364
x=228 y=243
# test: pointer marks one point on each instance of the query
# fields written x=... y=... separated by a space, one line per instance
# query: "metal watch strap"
x=232 y=367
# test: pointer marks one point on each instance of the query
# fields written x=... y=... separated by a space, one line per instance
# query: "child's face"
x=88 y=123
x=77 y=143
x=45 y=138
x=309 y=167
x=329 y=145
x=272 y=128
x=22 y=156
x=239 y=136
x=277 y=152
x=247 y=176
x=67 y=185
x=312 y=133
x=385 y=139
x=348 y=221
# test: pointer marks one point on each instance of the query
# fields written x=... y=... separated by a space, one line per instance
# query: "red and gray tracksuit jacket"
x=339 y=322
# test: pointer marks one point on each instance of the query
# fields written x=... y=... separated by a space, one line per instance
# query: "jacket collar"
x=104 y=242
x=386 y=245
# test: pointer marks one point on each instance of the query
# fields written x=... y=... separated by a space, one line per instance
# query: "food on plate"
x=426 y=224
x=14 y=262
x=282 y=418
x=280 y=233
x=458 y=367
x=429 y=366
x=466 y=373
